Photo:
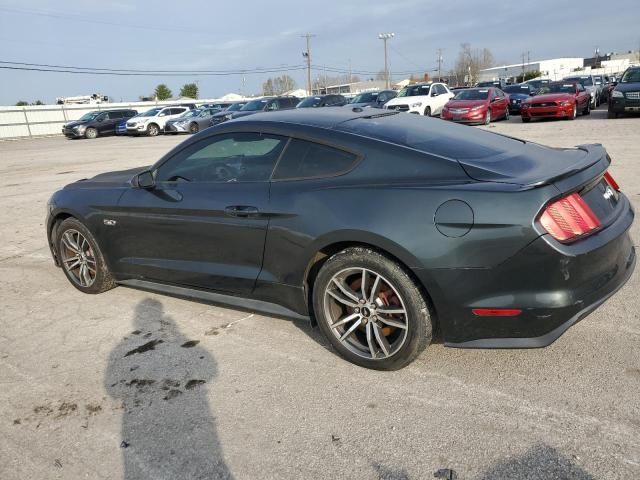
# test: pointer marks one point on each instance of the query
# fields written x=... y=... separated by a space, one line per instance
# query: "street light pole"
x=384 y=37
x=307 y=56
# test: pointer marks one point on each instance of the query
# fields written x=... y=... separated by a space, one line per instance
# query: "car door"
x=204 y=222
x=503 y=102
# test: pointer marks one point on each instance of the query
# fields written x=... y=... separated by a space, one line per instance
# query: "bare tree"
x=469 y=63
x=278 y=85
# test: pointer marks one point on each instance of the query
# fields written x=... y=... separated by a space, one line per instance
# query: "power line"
x=149 y=74
x=80 y=18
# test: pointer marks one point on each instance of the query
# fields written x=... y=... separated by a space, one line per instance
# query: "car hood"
x=550 y=97
x=407 y=100
x=628 y=87
x=240 y=113
x=465 y=103
x=74 y=124
x=109 y=179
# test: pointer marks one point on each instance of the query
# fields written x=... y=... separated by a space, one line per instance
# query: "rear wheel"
x=91 y=133
x=587 y=109
x=81 y=258
x=525 y=120
x=370 y=310
x=427 y=112
x=153 y=130
x=194 y=128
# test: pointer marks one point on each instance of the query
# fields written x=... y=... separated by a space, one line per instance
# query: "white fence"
x=36 y=120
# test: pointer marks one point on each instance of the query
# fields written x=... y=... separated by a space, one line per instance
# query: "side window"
x=130 y=114
x=178 y=111
x=102 y=117
x=272 y=105
x=304 y=159
x=115 y=115
x=232 y=157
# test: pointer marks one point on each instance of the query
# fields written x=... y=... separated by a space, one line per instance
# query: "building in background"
x=555 y=69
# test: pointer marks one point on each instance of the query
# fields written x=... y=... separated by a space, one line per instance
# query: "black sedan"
x=517 y=94
x=625 y=97
x=381 y=227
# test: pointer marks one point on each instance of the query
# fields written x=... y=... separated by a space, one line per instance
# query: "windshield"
x=584 y=81
x=310 y=102
x=414 y=90
x=365 y=97
x=631 y=76
x=472 y=95
x=254 y=105
x=190 y=113
x=557 y=88
x=523 y=89
x=150 y=113
x=88 y=116
x=235 y=107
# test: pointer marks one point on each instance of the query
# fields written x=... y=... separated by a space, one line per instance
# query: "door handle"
x=242 y=211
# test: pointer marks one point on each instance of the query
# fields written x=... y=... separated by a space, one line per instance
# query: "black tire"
x=91 y=133
x=427 y=112
x=612 y=115
x=507 y=114
x=153 y=130
x=103 y=280
x=194 y=128
x=487 y=117
x=587 y=109
x=417 y=319
x=574 y=113
x=525 y=120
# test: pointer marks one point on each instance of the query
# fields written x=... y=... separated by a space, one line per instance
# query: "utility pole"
x=439 y=64
x=523 y=66
x=307 y=56
x=384 y=37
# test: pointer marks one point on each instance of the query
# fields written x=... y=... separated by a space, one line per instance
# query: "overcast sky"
x=223 y=35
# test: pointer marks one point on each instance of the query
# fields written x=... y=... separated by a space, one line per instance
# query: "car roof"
x=320 y=118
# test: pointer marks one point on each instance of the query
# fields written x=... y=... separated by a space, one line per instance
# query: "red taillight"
x=568 y=218
x=612 y=183
x=496 y=312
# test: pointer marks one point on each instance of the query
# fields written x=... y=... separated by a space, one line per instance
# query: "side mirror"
x=145 y=180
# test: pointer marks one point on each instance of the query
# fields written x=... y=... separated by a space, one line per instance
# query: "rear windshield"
x=472 y=95
x=524 y=89
x=310 y=102
x=365 y=97
x=436 y=137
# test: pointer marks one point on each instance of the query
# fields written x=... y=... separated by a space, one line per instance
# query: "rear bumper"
x=554 y=285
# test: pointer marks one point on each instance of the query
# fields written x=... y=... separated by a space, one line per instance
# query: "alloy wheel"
x=366 y=313
x=194 y=128
x=78 y=258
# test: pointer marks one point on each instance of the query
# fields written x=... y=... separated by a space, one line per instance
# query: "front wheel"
x=574 y=112
x=81 y=258
x=91 y=133
x=507 y=114
x=487 y=117
x=153 y=130
x=612 y=115
x=427 y=112
x=194 y=128
x=370 y=310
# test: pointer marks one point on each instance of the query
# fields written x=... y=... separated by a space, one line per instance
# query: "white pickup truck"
x=421 y=98
x=152 y=121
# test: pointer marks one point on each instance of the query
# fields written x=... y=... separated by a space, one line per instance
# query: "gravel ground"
x=229 y=394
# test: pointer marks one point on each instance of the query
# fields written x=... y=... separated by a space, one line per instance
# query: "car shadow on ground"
x=162 y=379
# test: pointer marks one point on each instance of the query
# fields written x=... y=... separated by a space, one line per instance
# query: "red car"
x=477 y=105
x=557 y=100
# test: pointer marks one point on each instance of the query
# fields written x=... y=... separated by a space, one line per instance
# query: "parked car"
x=322 y=101
x=602 y=82
x=192 y=121
x=264 y=104
x=270 y=207
x=563 y=99
x=493 y=83
x=152 y=122
x=218 y=105
x=477 y=105
x=421 y=98
x=372 y=99
x=589 y=84
x=220 y=117
x=97 y=123
x=625 y=97
x=537 y=83
x=517 y=94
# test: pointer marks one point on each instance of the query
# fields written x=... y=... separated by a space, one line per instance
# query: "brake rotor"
x=384 y=298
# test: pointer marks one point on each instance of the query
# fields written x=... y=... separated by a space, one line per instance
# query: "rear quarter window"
x=304 y=159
